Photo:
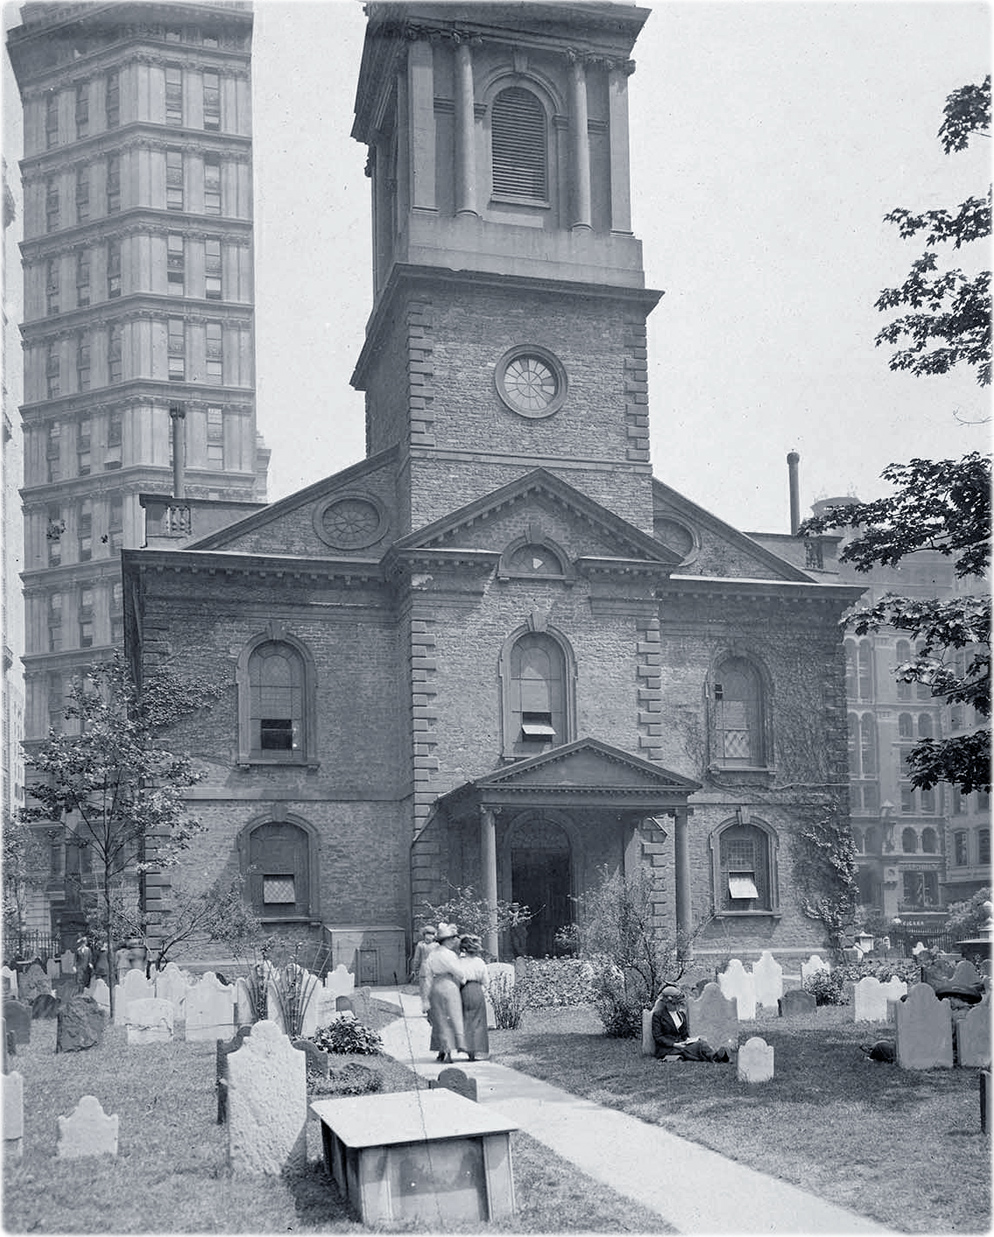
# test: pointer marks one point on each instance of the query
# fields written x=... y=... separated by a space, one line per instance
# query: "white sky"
x=768 y=140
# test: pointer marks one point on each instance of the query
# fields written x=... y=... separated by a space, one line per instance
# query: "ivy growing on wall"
x=825 y=872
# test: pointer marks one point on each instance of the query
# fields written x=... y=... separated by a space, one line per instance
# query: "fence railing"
x=30 y=943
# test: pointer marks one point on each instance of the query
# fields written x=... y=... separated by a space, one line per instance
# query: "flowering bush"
x=557 y=982
x=826 y=987
x=345 y=1033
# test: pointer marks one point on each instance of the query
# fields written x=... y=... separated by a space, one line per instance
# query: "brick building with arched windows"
x=498 y=652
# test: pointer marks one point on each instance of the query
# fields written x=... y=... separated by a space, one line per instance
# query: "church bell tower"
x=508 y=325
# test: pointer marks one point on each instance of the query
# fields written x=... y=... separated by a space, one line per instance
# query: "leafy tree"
x=22 y=861
x=471 y=913
x=948 y=321
x=968 y=917
x=109 y=782
x=944 y=506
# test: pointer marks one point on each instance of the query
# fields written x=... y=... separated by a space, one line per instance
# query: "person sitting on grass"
x=669 y=1030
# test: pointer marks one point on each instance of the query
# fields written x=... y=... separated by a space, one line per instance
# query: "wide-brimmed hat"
x=446 y=931
x=471 y=943
x=671 y=993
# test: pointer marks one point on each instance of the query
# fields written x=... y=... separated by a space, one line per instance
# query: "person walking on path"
x=445 y=976
x=417 y=973
x=474 y=1005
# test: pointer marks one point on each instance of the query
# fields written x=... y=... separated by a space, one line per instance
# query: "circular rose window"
x=351 y=522
x=676 y=537
x=531 y=381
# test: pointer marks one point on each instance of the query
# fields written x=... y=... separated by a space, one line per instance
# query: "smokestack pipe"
x=793 y=459
x=177 y=414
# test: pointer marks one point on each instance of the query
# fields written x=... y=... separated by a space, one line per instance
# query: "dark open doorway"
x=540 y=880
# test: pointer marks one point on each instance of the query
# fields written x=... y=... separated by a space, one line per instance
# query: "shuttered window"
x=518 y=141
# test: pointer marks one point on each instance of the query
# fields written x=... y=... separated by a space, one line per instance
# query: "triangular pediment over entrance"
x=584 y=774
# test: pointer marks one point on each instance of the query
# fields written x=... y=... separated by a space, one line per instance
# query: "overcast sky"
x=768 y=139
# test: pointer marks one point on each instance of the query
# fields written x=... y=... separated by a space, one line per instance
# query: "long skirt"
x=445 y=1013
x=474 y=1012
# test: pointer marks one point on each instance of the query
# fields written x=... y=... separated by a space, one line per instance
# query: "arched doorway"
x=541 y=879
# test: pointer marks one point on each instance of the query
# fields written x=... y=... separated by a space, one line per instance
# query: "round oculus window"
x=531 y=382
x=351 y=522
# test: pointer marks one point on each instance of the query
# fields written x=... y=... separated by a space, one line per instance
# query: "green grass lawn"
x=903 y=1147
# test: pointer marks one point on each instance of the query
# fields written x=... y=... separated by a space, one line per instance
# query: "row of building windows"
x=178 y=282
x=177 y=358
x=210 y=110
x=963 y=845
x=177 y=197
x=859 y=671
x=58 y=635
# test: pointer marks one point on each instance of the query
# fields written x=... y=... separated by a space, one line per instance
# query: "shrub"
x=471 y=913
x=345 y=1033
x=509 y=999
x=557 y=982
x=351 y=1079
x=827 y=987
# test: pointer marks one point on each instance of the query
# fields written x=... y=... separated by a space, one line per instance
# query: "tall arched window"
x=930 y=842
x=744 y=861
x=906 y=726
x=738 y=715
x=902 y=655
x=537 y=684
x=851 y=676
x=909 y=841
x=865 y=663
x=279 y=866
x=276 y=702
x=519 y=145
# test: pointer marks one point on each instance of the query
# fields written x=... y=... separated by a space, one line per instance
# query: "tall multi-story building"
x=138 y=305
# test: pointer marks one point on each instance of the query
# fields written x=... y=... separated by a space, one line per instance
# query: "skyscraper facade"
x=138 y=308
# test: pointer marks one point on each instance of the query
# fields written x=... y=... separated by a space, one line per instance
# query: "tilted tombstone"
x=452 y=1079
x=17 y=1015
x=973 y=1036
x=170 y=985
x=755 y=1060
x=150 y=1021
x=713 y=1016
x=317 y=1059
x=813 y=965
x=45 y=1005
x=9 y=981
x=362 y=1003
x=767 y=976
x=88 y=1130
x=81 y=1025
x=869 y=1000
x=134 y=987
x=340 y=981
x=33 y=982
x=224 y=1050
x=13 y=1115
x=210 y=1009
x=966 y=975
x=737 y=984
x=924 y=1030
x=267 y=1104
x=796 y=1001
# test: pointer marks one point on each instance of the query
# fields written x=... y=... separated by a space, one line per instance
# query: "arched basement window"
x=519 y=146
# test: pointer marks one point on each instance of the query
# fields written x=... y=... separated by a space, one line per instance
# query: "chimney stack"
x=793 y=459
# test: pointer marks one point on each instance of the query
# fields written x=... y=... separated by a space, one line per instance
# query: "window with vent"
x=278 y=870
x=744 y=869
x=519 y=145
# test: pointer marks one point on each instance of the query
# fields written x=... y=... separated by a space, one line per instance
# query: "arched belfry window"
x=537 y=681
x=519 y=144
x=276 y=702
x=738 y=716
x=744 y=867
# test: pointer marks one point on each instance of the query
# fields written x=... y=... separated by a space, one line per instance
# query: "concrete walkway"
x=693 y=1189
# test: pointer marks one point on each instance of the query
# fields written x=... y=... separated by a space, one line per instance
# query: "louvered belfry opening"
x=517 y=134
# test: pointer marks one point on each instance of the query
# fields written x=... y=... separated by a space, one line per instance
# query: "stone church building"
x=498 y=652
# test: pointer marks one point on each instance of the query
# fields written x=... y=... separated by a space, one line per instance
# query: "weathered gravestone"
x=813 y=965
x=362 y=1004
x=738 y=985
x=171 y=985
x=796 y=1001
x=966 y=975
x=9 y=978
x=870 y=1000
x=924 y=1030
x=13 y=1115
x=311 y=990
x=648 y=1043
x=767 y=976
x=53 y=970
x=973 y=1036
x=267 y=1104
x=210 y=1009
x=81 y=1025
x=755 y=1060
x=67 y=963
x=45 y=1005
x=17 y=1015
x=325 y=1004
x=894 y=990
x=99 y=992
x=150 y=1021
x=88 y=1130
x=340 y=981
x=33 y=982
x=244 y=1004
x=318 y=1061
x=712 y=1016
x=134 y=987
x=224 y=1050
x=343 y=1004
x=457 y=1080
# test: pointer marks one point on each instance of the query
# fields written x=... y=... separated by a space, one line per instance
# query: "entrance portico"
x=538 y=830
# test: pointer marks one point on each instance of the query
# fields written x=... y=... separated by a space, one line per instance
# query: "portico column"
x=580 y=143
x=465 y=131
x=681 y=848
x=488 y=867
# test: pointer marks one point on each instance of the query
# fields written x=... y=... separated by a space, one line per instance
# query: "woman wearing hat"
x=445 y=975
x=428 y=944
x=669 y=1030
x=474 y=1005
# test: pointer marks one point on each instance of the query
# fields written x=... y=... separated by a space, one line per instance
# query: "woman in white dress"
x=445 y=973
